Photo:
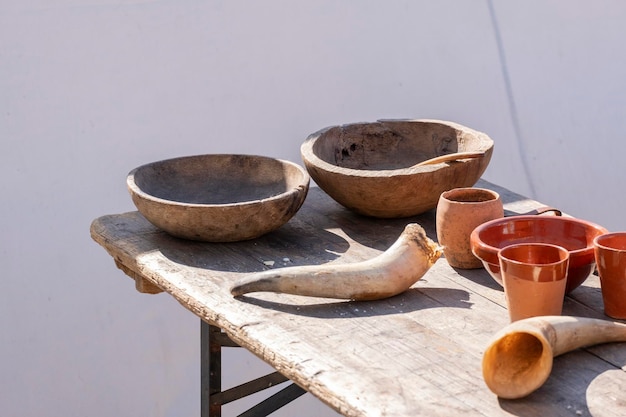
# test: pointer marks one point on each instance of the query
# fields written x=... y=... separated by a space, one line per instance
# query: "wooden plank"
x=418 y=353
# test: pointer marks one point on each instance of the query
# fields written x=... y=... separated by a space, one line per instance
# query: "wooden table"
x=418 y=353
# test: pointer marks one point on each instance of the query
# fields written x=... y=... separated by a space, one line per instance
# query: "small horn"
x=518 y=360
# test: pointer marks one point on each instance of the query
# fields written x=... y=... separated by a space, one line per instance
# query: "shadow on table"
x=411 y=300
x=376 y=233
x=380 y=233
x=281 y=247
x=479 y=276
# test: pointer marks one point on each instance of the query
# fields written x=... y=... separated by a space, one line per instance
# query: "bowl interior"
x=218 y=179
x=571 y=234
x=391 y=145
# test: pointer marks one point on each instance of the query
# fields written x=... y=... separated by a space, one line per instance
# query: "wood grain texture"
x=415 y=354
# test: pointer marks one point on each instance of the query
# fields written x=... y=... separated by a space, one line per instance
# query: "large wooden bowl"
x=371 y=169
x=218 y=198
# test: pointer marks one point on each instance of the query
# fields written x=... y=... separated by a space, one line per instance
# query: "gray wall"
x=89 y=89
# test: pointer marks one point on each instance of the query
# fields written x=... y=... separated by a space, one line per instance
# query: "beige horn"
x=385 y=275
x=518 y=360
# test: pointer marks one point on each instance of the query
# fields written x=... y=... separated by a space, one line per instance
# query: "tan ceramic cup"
x=534 y=276
x=459 y=212
x=610 y=253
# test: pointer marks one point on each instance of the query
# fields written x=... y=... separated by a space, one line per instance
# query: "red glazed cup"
x=610 y=253
x=534 y=277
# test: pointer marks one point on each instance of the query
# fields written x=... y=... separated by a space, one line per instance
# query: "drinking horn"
x=518 y=360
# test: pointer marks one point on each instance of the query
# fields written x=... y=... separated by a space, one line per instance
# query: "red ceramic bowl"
x=575 y=235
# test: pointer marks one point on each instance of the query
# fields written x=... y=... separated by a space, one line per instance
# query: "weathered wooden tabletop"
x=418 y=353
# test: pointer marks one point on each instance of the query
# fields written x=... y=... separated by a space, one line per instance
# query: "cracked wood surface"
x=418 y=353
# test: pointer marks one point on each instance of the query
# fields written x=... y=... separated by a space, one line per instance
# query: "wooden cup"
x=459 y=212
x=534 y=277
x=610 y=254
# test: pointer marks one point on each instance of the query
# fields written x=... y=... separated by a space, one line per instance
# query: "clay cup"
x=610 y=253
x=459 y=212
x=534 y=277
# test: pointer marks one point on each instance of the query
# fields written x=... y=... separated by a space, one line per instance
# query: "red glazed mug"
x=534 y=277
x=610 y=253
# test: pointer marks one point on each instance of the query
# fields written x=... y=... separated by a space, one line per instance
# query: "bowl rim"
x=136 y=190
x=306 y=150
x=485 y=252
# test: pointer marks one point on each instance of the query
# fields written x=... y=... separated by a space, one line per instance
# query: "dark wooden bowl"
x=218 y=198
x=372 y=168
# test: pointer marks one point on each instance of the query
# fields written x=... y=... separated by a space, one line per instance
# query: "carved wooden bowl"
x=218 y=198
x=372 y=168
x=573 y=234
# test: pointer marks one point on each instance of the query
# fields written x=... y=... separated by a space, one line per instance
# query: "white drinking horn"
x=518 y=360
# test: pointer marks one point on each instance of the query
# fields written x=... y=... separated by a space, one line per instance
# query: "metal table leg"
x=212 y=339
